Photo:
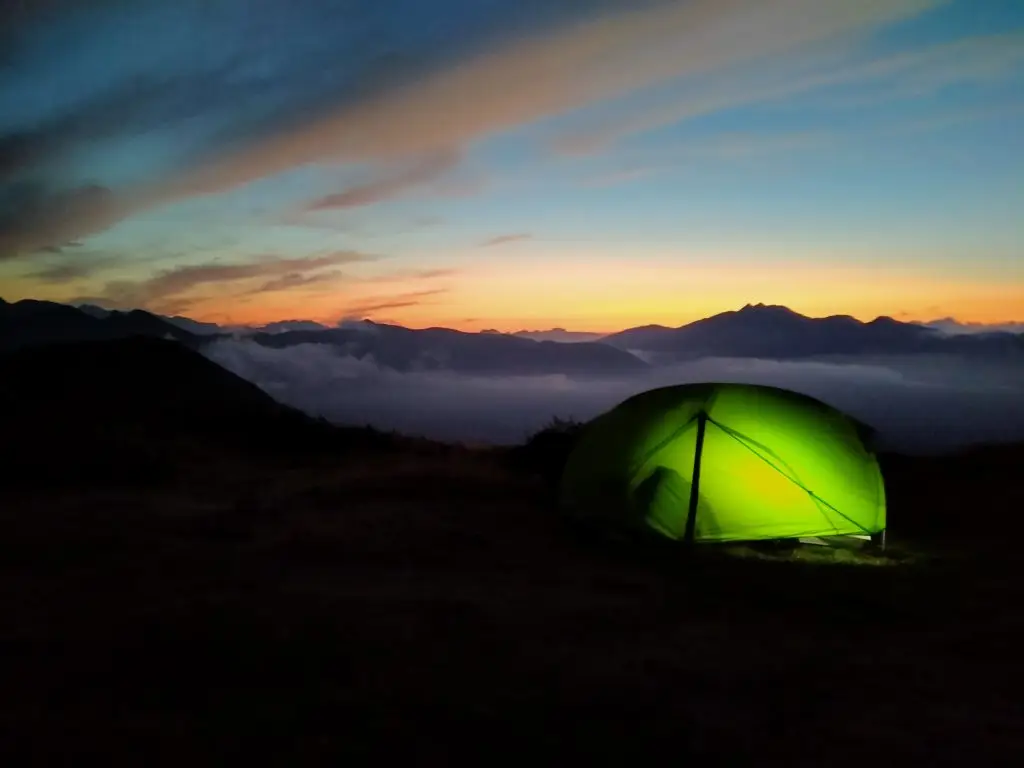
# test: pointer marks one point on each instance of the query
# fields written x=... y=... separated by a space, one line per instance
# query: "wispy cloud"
x=34 y=219
x=897 y=76
x=405 y=275
x=391 y=184
x=74 y=267
x=503 y=239
x=173 y=291
x=511 y=84
x=369 y=306
x=299 y=280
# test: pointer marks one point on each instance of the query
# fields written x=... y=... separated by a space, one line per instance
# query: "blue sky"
x=495 y=164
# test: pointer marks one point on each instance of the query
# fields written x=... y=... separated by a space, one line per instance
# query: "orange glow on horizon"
x=541 y=291
x=614 y=296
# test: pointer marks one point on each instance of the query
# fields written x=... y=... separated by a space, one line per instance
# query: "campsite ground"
x=431 y=606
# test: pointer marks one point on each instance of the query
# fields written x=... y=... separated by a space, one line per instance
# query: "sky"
x=587 y=164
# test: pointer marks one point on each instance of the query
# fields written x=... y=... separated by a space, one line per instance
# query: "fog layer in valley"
x=918 y=404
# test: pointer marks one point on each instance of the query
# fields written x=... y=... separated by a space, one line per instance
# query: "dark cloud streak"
x=166 y=291
x=299 y=280
x=503 y=239
x=396 y=301
x=391 y=185
x=75 y=267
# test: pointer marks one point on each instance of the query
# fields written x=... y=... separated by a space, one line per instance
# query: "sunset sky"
x=516 y=163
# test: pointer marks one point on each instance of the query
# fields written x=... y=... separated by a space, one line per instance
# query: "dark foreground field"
x=193 y=574
x=430 y=608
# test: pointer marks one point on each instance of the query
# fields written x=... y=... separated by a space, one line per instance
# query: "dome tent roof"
x=773 y=464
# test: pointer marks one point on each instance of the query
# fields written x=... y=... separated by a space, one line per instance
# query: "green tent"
x=726 y=462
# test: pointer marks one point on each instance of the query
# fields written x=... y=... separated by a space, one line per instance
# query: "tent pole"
x=878 y=540
x=691 y=516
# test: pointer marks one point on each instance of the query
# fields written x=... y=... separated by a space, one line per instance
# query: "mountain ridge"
x=777 y=332
x=755 y=330
x=30 y=323
x=946 y=324
x=405 y=349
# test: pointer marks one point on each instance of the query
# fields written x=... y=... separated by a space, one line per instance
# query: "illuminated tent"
x=726 y=462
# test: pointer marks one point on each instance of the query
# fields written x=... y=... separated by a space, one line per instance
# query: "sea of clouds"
x=918 y=404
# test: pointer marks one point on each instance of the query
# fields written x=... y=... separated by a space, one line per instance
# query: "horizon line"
x=525 y=328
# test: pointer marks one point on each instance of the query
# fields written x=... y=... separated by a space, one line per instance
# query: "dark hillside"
x=130 y=409
x=31 y=323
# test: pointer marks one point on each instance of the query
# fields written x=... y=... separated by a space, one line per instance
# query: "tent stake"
x=691 y=516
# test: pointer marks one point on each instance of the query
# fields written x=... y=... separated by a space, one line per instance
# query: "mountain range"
x=31 y=323
x=953 y=326
x=776 y=332
x=561 y=335
x=759 y=330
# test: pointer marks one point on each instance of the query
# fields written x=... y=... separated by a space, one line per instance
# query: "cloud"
x=19 y=151
x=903 y=75
x=33 y=218
x=502 y=239
x=918 y=404
x=410 y=274
x=371 y=305
x=508 y=84
x=74 y=267
x=720 y=148
x=391 y=185
x=167 y=292
x=298 y=280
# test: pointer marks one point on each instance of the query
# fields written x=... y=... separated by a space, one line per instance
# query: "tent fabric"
x=774 y=464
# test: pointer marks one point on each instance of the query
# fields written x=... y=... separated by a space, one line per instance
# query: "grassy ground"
x=431 y=608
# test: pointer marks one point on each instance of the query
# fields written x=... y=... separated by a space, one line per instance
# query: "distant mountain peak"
x=559 y=335
x=93 y=310
x=777 y=332
x=764 y=309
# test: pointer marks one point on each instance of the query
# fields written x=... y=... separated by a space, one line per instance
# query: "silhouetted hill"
x=283 y=326
x=31 y=323
x=127 y=406
x=195 y=326
x=442 y=348
x=560 y=335
x=92 y=310
x=778 y=332
x=950 y=325
x=209 y=329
